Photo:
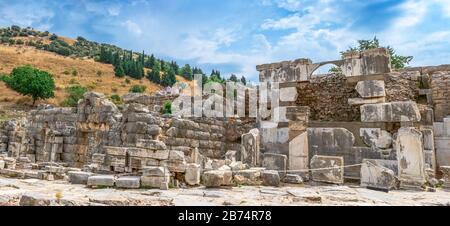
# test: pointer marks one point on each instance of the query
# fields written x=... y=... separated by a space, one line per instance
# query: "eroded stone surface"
x=327 y=169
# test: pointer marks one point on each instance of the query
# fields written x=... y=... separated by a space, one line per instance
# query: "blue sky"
x=235 y=35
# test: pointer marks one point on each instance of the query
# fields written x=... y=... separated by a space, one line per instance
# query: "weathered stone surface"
x=391 y=112
x=236 y=166
x=275 y=162
x=375 y=175
x=375 y=137
x=446 y=176
x=193 y=174
x=327 y=169
x=79 y=177
x=2 y=164
x=410 y=155
x=293 y=179
x=36 y=200
x=250 y=174
x=101 y=181
x=154 y=181
x=250 y=148
x=288 y=94
x=371 y=88
x=298 y=152
x=155 y=171
x=271 y=178
x=217 y=178
x=129 y=182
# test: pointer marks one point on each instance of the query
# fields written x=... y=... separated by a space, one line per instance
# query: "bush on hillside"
x=75 y=94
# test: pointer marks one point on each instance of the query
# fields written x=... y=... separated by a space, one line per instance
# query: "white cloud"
x=132 y=27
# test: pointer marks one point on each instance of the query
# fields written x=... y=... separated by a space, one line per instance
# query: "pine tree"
x=243 y=80
x=169 y=78
x=186 y=72
x=233 y=78
x=154 y=75
x=119 y=72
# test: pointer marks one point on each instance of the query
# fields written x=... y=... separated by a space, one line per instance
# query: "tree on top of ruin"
x=397 y=61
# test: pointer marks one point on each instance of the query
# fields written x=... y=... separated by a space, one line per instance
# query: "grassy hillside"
x=95 y=76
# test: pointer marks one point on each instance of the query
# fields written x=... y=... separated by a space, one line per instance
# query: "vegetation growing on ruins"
x=30 y=81
x=75 y=94
x=397 y=61
x=167 y=108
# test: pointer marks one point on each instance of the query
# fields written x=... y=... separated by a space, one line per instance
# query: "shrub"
x=167 y=109
x=74 y=72
x=127 y=81
x=30 y=81
x=138 y=89
x=99 y=73
x=75 y=94
x=66 y=72
x=116 y=99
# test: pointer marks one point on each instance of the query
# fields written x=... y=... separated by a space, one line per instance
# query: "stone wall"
x=212 y=137
x=440 y=86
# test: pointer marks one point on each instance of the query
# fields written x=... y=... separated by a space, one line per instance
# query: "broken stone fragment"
x=250 y=174
x=217 y=178
x=374 y=174
x=371 y=88
x=101 y=181
x=231 y=156
x=271 y=178
x=79 y=177
x=327 y=169
x=2 y=164
x=193 y=174
x=236 y=166
x=293 y=179
x=375 y=137
x=128 y=182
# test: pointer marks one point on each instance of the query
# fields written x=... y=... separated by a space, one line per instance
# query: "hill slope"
x=62 y=68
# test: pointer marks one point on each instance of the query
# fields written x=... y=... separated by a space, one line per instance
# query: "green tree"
x=244 y=80
x=186 y=72
x=233 y=78
x=154 y=75
x=30 y=81
x=169 y=79
x=397 y=61
x=119 y=72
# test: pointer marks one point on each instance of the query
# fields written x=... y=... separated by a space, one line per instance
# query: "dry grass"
x=58 y=66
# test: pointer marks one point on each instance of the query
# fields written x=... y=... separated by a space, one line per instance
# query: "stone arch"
x=314 y=67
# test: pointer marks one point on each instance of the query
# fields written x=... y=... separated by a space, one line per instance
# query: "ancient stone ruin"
x=387 y=129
